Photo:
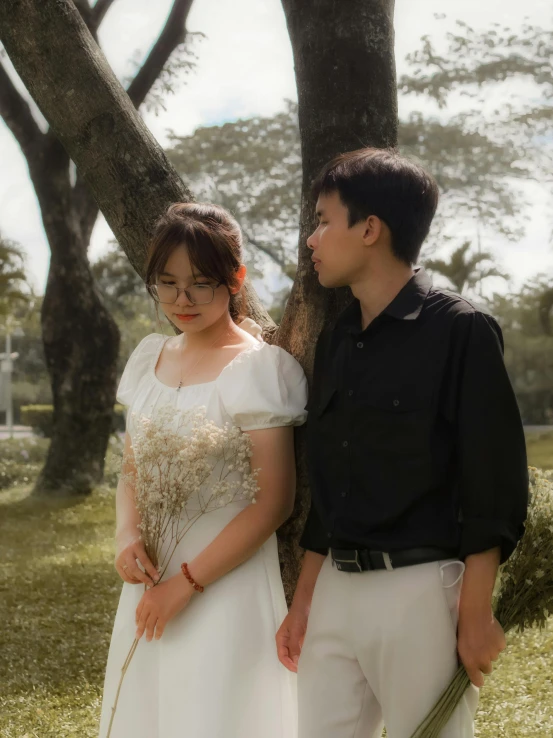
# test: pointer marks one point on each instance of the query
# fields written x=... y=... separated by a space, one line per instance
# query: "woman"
x=205 y=665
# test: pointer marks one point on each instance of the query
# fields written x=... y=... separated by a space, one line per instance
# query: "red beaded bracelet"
x=184 y=569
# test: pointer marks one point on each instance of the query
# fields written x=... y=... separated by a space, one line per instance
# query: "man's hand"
x=480 y=641
x=289 y=639
x=480 y=638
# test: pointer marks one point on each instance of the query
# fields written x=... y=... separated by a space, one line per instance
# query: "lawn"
x=540 y=449
x=58 y=594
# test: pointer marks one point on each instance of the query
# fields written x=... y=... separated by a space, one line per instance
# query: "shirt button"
x=396 y=403
x=350 y=393
x=360 y=344
x=344 y=494
x=329 y=535
x=344 y=444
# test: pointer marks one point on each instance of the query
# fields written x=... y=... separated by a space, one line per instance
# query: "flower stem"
x=123 y=672
x=438 y=718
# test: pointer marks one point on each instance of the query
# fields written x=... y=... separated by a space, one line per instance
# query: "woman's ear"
x=241 y=276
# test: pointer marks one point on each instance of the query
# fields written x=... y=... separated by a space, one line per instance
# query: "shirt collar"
x=406 y=305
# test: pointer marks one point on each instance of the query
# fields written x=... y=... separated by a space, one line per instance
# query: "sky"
x=245 y=68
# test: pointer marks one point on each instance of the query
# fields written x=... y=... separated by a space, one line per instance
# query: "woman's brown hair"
x=213 y=240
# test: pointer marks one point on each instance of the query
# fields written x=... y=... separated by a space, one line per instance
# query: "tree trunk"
x=80 y=338
x=345 y=75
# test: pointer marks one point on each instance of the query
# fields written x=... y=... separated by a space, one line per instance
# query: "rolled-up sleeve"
x=493 y=479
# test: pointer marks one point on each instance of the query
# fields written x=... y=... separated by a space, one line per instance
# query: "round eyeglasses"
x=197 y=294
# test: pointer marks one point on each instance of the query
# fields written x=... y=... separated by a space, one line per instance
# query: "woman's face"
x=187 y=316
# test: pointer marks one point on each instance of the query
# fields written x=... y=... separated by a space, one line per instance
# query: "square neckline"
x=196 y=384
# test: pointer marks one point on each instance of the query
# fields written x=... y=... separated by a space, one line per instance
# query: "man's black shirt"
x=414 y=437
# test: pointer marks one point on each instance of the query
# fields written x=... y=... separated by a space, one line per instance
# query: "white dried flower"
x=181 y=457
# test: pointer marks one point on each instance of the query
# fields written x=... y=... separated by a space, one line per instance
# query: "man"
x=417 y=468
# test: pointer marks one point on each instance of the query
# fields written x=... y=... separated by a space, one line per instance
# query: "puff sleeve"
x=264 y=388
x=137 y=367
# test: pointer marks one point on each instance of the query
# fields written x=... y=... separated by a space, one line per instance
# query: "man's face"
x=339 y=252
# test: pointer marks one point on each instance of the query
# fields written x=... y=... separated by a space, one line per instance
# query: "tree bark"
x=80 y=338
x=347 y=99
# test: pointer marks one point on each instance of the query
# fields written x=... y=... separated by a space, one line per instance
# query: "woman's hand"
x=128 y=569
x=160 y=604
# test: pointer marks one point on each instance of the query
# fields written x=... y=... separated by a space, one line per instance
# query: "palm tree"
x=12 y=276
x=464 y=270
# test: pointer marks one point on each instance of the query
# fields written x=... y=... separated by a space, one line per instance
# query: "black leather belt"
x=363 y=559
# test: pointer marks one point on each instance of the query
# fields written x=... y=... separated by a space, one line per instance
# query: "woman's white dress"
x=214 y=673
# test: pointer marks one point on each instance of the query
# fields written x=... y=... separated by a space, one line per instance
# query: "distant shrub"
x=21 y=460
x=39 y=417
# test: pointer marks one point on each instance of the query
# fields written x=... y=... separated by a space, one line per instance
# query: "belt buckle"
x=349 y=561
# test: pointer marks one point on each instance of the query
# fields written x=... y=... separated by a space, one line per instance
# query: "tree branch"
x=266 y=250
x=85 y=10
x=86 y=208
x=173 y=34
x=93 y=16
x=17 y=115
x=99 y=11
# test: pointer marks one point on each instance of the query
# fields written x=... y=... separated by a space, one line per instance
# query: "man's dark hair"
x=381 y=182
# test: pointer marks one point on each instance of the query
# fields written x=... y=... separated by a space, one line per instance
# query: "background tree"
x=482 y=66
x=465 y=270
x=528 y=352
x=125 y=296
x=478 y=64
x=81 y=340
x=116 y=279
x=252 y=167
x=13 y=279
x=545 y=309
x=481 y=198
x=474 y=60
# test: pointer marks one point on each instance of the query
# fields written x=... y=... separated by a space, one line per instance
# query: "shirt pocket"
x=392 y=420
x=326 y=400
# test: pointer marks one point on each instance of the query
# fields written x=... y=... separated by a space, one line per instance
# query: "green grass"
x=58 y=595
x=540 y=449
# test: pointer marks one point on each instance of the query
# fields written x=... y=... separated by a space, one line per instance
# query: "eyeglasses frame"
x=185 y=290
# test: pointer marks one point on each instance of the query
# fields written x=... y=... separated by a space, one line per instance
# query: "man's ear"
x=241 y=276
x=373 y=229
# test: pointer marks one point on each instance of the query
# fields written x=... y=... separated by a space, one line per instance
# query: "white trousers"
x=380 y=648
